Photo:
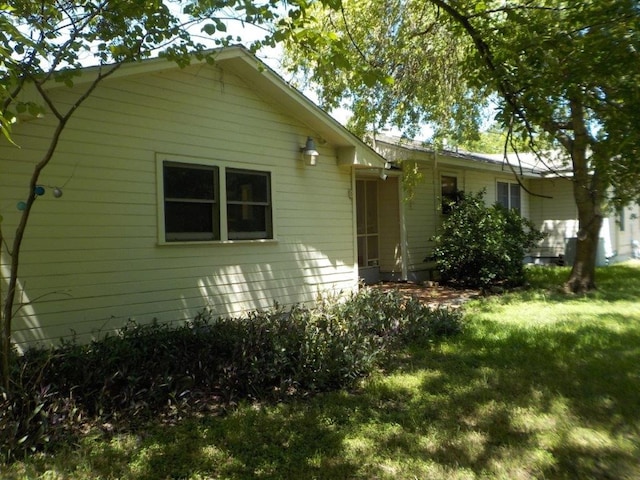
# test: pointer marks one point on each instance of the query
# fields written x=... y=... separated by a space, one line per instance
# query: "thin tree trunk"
x=5 y=342
x=9 y=300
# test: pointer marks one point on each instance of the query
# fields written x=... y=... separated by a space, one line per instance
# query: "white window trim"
x=161 y=158
x=510 y=185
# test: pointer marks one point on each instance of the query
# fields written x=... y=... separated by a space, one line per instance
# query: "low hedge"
x=148 y=370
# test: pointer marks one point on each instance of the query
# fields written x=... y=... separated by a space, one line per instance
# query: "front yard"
x=539 y=385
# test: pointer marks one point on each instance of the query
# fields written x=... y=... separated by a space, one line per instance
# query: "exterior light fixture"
x=309 y=153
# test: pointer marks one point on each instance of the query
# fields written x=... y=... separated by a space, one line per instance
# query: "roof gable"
x=274 y=90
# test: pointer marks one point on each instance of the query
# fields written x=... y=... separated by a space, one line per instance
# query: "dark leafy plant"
x=479 y=245
x=148 y=370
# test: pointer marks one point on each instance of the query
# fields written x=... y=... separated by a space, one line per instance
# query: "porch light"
x=309 y=153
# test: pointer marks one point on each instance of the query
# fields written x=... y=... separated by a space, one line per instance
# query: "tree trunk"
x=589 y=191
x=582 y=277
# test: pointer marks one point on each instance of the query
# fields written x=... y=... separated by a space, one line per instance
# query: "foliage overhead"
x=50 y=40
x=565 y=74
x=363 y=55
x=410 y=62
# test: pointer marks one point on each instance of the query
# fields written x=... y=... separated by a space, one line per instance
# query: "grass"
x=540 y=385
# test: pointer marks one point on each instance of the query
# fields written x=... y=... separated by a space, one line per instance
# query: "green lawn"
x=540 y=385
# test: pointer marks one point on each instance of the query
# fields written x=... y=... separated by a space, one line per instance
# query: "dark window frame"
x=248 y=208
x=196 y=210
x=176 y=230
x=449 y=197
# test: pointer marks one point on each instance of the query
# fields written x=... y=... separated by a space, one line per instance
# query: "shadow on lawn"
x=545 y=403
x=618 y=282
x=496 y=402
x=251 y=442
x=554 y=401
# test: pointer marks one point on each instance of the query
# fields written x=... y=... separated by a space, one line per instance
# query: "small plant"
x=480 y=245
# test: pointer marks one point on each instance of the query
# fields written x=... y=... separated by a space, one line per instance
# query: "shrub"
x=479 y=245
x=146 y=370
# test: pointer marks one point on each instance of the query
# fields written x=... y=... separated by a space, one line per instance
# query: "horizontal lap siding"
x=422 y=214
x=421 y=219
x=389 y=212
x=554 y=212
x=91 y=258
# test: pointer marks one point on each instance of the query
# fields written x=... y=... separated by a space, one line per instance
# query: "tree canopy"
x=565 y=73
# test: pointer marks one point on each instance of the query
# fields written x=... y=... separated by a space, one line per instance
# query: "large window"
x=509 y=195
x=194 y=200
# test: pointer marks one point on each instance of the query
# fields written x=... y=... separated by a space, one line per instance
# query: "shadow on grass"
x=284 y=441
x=618 y=282
x=558 y=400
x=496 y=402
x=546 y=403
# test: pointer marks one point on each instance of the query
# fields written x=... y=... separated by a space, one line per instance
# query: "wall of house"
x=92 y=259
x=421 y=220
x=624 y=231
x=554 y=211
x=423 y=215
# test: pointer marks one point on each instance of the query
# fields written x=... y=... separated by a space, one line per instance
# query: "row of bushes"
x=147 y=370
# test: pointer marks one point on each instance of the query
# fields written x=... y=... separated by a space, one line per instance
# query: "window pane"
x=449 y=185
x=503 y=194
x=362 y=251
x=372 y=250
x=188 y=182
x=449 y=190
x=515 y=196
x=247 y=186
x=248 y=221
x=191 y=209
x=372 y=207
x=190 y=221
x=248 y=205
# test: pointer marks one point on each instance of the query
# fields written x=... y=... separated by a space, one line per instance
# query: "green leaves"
x=479 y=245
x=391 y=62
x=152 y=370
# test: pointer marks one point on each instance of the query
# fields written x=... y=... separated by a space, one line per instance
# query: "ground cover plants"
x=155 y=370
x=539 y=385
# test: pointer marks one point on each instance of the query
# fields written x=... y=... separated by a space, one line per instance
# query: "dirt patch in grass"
x=431 y=293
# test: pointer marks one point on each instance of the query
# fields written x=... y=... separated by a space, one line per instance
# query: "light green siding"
x=422 y=214
x=554 y=211
x=92 y=259
x=390 y=238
